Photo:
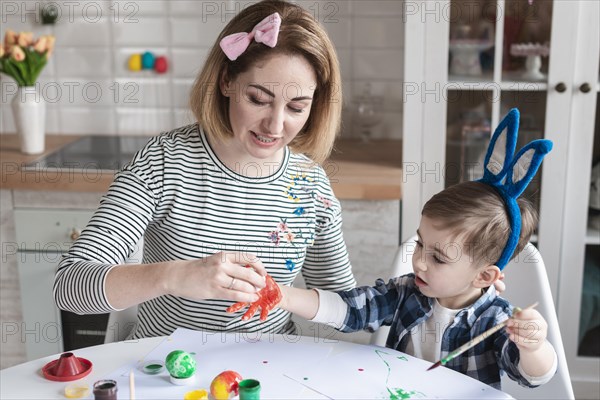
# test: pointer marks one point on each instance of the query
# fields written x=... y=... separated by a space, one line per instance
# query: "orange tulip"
x=41 y=44
x=17 y=53
x=10 y=38
x=25 y=39
x=49 y=45
x=2 y=52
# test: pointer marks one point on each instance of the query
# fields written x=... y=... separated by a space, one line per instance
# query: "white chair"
x=526 y=282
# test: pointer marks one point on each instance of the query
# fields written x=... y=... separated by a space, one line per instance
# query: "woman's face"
x=268 y=106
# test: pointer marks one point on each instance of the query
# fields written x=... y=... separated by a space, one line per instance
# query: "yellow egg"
x=196 y=395
x=135 y=62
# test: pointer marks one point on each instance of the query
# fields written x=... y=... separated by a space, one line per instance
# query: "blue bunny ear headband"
x=510 y=174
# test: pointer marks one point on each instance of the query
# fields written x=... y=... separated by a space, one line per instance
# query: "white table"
x=287 y=367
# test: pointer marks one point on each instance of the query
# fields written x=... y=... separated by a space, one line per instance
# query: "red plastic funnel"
x=67 y=368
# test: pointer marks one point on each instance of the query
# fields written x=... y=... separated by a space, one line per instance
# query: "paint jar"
x=105 y=389
x=249 y=389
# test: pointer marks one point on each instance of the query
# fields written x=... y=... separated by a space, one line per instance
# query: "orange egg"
x=225 y=384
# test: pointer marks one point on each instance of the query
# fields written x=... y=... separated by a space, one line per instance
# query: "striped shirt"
x=186 y=205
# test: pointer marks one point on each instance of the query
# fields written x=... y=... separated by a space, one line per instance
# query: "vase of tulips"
x=22 y=57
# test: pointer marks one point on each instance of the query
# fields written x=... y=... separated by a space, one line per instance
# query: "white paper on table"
x=260 y=356
x=368 y=372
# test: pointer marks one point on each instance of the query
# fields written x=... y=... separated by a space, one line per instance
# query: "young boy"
x=450 y=298
x=467 y=235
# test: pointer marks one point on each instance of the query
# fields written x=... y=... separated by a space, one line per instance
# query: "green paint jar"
x=249 y=389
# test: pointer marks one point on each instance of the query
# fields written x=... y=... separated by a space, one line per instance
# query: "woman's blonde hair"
x=300 y=35
x=476 y=213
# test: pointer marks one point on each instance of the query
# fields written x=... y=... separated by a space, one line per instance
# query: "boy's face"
x=443 y=268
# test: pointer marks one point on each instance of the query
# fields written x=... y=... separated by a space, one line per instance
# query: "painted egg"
x=148 y=60
x=135 y=62
x=180 y=364
x=160 y=65
x=225 y=384
x=200 y=394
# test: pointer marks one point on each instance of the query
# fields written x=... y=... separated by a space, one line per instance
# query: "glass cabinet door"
x=498 y=59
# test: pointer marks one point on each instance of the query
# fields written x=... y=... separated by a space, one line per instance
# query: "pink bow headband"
x=266 y=32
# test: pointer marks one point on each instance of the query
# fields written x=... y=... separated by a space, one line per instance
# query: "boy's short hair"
x=477 y=215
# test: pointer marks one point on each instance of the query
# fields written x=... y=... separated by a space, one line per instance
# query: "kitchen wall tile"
x=83 y=63
x=223 y=11
x=382 y=8
x=187 y=63
x=340 y=31
x=181 y=92
x=7 y=123
x=143 y=122
x=345 y=59
x=147 y=31
x=190 y=7
x=183 y=117
x=391 y=92
x=149 y=93
x=326 y=11
x=377 y=32
x=377 y=64
x=18 y=18
x=86 y=120
x=83 y=32
x=195 y=32
x=142 y=8
x=80 y=92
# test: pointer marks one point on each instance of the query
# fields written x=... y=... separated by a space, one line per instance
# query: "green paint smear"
x=401 y=394
x=396 y=393
x=153 y=366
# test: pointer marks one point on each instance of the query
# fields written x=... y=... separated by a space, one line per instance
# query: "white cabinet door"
x=467 y=62
x=41 y=328
x=42 y=236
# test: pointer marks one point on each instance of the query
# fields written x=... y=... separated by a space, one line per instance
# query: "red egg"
x=160 y=64
x=225 y=384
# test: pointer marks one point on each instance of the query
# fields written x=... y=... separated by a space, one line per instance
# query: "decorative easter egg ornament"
x=147 y=60
x=135 y=62
x=160 y=64
x=200 y=394
x=181 y=367
x=225 y=384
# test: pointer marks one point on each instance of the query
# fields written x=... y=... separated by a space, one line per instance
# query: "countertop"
x=357 y=170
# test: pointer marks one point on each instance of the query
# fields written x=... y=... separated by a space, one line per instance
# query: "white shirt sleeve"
x=540 y=380
x=332 y=309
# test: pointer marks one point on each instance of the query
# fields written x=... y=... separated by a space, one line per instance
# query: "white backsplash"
x=89 y=89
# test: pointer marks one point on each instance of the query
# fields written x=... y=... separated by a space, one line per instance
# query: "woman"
x=240 y=188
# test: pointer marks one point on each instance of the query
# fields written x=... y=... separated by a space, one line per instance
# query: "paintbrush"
x=131 y=386
x=478 y=339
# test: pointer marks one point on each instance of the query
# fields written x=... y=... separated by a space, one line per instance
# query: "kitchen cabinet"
x=42 y=236
x=466 y=64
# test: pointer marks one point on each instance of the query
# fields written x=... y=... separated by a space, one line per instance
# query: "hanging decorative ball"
x=181 y=366
x=148 y=60
x=160 y=65
x=135 y=62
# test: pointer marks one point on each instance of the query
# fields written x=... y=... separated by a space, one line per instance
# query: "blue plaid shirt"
x=400 y=304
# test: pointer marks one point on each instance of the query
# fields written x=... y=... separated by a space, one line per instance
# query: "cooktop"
x=94 y=152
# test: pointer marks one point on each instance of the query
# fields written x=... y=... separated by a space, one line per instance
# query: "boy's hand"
x=528 y=329
x=268 y=298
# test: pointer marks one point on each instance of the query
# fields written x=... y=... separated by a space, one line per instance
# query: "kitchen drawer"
x=49 y=230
